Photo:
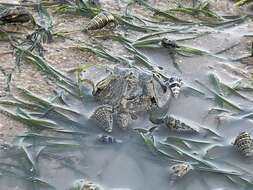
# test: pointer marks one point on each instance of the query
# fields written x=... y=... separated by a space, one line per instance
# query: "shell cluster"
x=244 y=144
x=15 y=15
x=100 y=21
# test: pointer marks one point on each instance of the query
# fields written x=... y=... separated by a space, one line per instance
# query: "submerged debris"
x=107 y=139
x=103 y=117
x=179 y=170
x=122 y=120
x=15 y=15
x=130 y=91
x=95 y=3
x=84 y=184
x=251 y=55
x=244 y=144
x=100 y=21
x=169 y=43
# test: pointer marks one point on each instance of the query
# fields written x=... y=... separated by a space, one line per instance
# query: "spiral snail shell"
x=176 y=124
x=103 y=117
x=100 y=21
x=244 y=144
x=174 y=84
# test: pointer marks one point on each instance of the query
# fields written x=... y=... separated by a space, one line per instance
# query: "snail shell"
x=100 y=21
x=175 y=124
x=175 y=83
x=244 y=144
x=103 y=117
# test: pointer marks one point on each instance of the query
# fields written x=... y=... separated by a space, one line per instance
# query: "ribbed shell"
x=15 y=15
x=100 y=21
x=244 y=144
x=175 y=84
x=103 y=117
x=107 y=139
x=175 y=124
x=179 y=170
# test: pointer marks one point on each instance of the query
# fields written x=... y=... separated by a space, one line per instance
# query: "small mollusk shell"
x=107 y=139
x=180 y=170
x=175 y=83
x=244 y=144
x=83 y=184
x=175 y=124
x=100 y=21
x=103 y=117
